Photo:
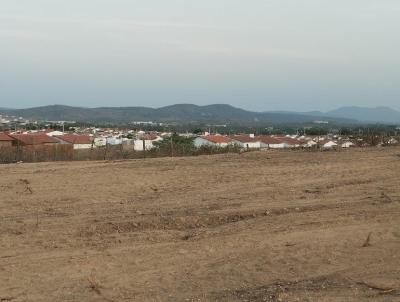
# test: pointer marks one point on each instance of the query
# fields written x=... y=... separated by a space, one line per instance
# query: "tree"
x=345 y=131
x=176 y=144
x=316 y=131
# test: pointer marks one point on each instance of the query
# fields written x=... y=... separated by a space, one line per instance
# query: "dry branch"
x=94 y=285
x=383 y=290
x=386 y=198
x=367 y=241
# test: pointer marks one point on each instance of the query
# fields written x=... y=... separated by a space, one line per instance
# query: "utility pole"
x=172 y=146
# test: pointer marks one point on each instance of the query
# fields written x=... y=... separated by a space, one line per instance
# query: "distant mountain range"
x=363 y=114
x=215 y=114
x=180 y=113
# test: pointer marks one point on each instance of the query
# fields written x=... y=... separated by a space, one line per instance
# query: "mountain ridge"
x=379 y=114
x=215 y=113
x=367 y=114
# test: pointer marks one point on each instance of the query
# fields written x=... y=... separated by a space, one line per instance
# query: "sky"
x=297 y=55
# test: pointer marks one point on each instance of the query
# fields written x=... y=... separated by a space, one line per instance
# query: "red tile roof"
x=217 y=139
x=148 y=137
x=288 y=140
x=325 y=141
x=34 y=139
x=5 y=137
x=75 y=139
x=269 y=140
x=245 y=139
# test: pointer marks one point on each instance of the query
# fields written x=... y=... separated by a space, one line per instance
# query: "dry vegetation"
x=260 y=226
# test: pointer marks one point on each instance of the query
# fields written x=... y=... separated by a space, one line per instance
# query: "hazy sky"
x=255 y=54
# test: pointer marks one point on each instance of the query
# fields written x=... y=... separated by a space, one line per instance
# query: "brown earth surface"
x=259 y=226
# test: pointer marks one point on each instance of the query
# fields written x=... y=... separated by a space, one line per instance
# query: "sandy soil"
x=261 y=226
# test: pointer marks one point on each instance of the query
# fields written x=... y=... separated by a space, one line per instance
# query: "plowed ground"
x=260 y=226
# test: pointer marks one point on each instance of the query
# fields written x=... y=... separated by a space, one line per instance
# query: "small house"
x=33 y=139
x=54 y=133
x=148 y=140
x=270 y=142
x=212 y=141
x=5 y=140
x=247 y=141
x=289 y=141
x=347 y=144
x=78 y=141
x=327 y=144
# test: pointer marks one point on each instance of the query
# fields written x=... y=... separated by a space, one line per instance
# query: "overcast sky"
x=255 y=54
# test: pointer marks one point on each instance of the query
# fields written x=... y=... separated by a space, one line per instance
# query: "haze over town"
x=258 y=55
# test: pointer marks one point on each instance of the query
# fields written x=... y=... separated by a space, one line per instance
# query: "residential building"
x=78 y=141
x=246 y=141
x=5 y=140
x=327 y=144
x=213 y=141
x=148 y=139
x=33 y=139
x=270 y=142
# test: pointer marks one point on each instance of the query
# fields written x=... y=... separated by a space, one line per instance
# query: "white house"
x=272 y=143
x=247 y=142
x=213 y=141
x=55 y=133
x=347 y=144
x=309 y=144
x=100 y=141
x=327 y=144
x=78 y=141
x=114 y=141
x=149 y=141
x=290 y=142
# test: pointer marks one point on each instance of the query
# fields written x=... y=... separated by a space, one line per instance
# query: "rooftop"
x=245 y=139
x=5 y=137
x=34 y=139
x=217 y=139
x=75 y=139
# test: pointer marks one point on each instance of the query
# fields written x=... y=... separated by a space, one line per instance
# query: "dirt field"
x=261 y=226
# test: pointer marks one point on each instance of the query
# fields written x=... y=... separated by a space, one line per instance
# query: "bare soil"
x=259 y=226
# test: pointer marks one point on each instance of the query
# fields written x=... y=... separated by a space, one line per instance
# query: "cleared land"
x=261 y=226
